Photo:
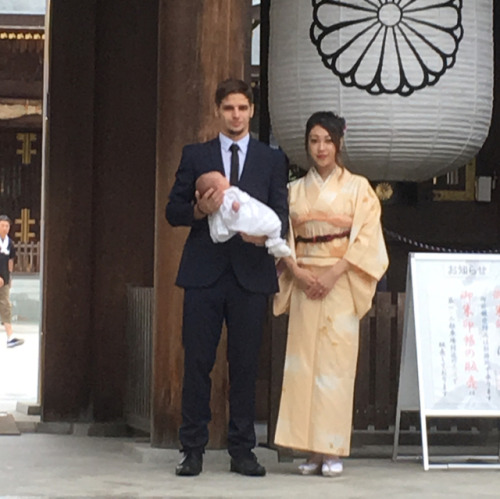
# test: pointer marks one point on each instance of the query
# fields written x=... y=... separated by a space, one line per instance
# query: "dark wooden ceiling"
x=21 y=64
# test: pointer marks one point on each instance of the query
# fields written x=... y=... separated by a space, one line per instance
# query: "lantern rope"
x=411 y=242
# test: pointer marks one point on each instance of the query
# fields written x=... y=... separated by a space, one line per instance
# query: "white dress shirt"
x=225 y=143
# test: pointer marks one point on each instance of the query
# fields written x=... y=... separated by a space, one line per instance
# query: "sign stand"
x=450 y=361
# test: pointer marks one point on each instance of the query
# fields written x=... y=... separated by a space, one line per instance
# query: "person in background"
x=7 y=255
x=326 y=286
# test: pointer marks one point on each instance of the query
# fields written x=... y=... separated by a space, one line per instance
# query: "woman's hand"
x=305 y=278
x=324 y=284
x=327 y=280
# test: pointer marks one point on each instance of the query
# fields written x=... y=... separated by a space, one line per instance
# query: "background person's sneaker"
x=14 y=342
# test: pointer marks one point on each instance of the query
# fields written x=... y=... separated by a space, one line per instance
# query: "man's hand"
x=1 y=282
x=209 y=202
x=257 y=240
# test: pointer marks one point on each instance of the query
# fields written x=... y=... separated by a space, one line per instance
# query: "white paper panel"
x=412 y=133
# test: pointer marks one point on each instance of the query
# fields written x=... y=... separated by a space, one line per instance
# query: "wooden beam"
x=201 y=43
x=31 y=122
x=17 y=108
x=22 y=21
x=124 y=170
x=67 y=224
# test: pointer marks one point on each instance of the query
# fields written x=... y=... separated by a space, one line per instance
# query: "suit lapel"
x=248 y=166
x=216 y=156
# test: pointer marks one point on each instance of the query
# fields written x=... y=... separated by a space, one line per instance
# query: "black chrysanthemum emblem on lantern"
x=387 y=46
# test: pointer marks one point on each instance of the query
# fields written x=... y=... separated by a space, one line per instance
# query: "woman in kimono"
x=327 y=285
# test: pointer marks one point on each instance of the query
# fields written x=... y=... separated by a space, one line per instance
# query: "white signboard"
x=451 y=339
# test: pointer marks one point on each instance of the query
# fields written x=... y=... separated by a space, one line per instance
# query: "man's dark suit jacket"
x=264 y=177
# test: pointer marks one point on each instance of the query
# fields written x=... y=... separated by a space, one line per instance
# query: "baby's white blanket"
x=253 y=218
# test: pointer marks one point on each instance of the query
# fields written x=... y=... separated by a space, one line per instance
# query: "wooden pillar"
x=124 y=186
x=201 y=42
x=98 y=199
x=67 y=203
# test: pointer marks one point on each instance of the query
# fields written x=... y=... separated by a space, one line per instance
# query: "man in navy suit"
x=228 y=281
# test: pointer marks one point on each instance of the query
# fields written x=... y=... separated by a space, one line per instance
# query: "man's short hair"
x=5 y=218
x=232 y=86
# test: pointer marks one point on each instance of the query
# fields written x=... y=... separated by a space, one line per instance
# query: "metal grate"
x=27 y=257
x=139 y=345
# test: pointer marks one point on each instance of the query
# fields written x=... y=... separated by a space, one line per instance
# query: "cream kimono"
x=322 y=347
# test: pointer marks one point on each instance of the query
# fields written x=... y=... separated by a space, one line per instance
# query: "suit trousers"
x=205 y=310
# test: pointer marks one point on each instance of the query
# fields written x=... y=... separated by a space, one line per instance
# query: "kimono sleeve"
x=366 y=251
x=281 y=301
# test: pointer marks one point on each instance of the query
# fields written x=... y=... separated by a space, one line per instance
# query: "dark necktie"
x=235 y=165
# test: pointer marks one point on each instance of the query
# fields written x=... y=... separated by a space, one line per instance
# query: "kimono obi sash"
x=319 y=242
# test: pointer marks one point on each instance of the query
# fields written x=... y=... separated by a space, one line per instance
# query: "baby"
x=240 y=212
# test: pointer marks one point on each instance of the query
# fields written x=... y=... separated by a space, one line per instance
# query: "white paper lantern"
x=412 y=78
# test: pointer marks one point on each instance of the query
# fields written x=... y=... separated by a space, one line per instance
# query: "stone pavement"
x=64 y=466
x=19 y=366
x=44 y=462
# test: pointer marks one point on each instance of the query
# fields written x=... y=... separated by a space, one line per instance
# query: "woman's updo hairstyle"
x=334 y=125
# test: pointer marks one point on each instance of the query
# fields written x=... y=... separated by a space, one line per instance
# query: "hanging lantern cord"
x=411 y=242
